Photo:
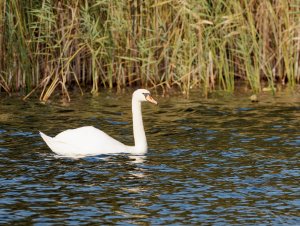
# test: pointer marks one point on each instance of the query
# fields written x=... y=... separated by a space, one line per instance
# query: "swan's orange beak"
x=150 y=99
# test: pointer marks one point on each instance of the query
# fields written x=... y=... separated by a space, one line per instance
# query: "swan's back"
x=83 y=141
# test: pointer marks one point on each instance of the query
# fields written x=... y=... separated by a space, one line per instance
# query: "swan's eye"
x=146 y=94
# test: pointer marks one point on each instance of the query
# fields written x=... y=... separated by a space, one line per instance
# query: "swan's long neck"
x=140 y=141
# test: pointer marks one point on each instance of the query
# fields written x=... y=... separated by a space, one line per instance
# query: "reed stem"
x=51 y=46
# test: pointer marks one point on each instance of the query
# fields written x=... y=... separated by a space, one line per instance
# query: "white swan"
x=88 y=141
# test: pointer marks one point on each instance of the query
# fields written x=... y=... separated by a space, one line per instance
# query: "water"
x=216 y=161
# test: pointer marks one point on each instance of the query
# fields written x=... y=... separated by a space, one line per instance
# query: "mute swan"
x=88 y=141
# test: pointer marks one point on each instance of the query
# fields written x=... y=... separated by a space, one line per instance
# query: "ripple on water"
x=211 y=162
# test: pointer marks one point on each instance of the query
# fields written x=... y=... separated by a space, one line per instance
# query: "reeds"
x=50 y=46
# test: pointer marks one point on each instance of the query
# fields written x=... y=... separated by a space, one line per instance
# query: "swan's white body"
x=88 y=141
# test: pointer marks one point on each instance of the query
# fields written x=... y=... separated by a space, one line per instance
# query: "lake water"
x=215 y=161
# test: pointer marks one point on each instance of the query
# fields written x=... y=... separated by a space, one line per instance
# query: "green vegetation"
x=48 y=46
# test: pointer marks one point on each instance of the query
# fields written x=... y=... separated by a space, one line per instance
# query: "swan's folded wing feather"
x=89 y=140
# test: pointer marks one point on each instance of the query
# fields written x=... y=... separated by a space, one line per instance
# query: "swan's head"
x=142 y=95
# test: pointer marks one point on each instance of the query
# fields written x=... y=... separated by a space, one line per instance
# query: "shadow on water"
x=224 y=160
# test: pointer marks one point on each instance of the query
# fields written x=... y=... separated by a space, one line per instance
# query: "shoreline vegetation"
x=49 y=46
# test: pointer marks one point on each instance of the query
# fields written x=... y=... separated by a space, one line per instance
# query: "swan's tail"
x=58 y=147
x=44 y=136
x=47 y=139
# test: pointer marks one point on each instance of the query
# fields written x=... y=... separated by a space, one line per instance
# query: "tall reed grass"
x=49 y=46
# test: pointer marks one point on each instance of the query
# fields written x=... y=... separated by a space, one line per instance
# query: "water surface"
x=215 y=161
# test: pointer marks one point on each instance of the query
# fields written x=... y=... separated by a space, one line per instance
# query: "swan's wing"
x=87 y=141
x=89 y=138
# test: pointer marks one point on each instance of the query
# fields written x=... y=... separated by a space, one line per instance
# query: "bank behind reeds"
x=51 y=46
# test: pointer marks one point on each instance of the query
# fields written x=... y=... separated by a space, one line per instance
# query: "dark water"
x=216 y=161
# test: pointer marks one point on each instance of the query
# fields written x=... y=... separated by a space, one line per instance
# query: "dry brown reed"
x=50 y=46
